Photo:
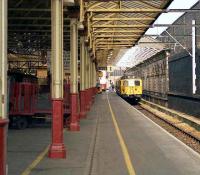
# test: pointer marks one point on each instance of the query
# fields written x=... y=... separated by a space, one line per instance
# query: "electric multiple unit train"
x=129 y=88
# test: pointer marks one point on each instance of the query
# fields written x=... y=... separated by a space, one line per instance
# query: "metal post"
x=86 y=68
x=194 y=88
x=82 y=63
x=57 y=148
x=3 y=86
x=87 y=77
x=91 y=81
x=74 y=118
x=82 y=77
x=95 y=77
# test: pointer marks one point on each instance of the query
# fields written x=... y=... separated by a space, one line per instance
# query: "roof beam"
x=116 y=36
x=143 y=25
x=121 y=26
x=34 y=25
x=30 y=9
x=123 y=19
x=114 y=43
x=32 y=18
x=119 y=31
x=116 y=39
x=141 y=10
x=114 y=46
x=126 y=10
x=31 y=30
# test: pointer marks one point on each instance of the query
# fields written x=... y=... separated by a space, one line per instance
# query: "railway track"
x=186 y=137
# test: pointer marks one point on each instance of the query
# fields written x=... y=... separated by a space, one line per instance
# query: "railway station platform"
x=115 y=139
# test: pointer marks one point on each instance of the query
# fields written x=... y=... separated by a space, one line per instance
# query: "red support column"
x=87 y=99
x=57 y=148
x=3 y=145
x=74 y=118
x=93 y=94
x=90 y=97
x=3 y=84
x=83 y=104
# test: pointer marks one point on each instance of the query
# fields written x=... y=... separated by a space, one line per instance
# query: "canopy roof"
x=109 y=25
x=119 y=24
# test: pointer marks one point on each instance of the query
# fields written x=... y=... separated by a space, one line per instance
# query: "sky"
x=171 y=17
x=165 y=18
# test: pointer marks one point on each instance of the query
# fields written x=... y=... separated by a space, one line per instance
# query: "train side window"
x=137 y=83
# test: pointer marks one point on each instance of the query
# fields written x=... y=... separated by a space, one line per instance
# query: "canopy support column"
x=94 y=78
x=90 y=77
x=82 y=78
x=92 y=81
x=87 y=78
x=74 y=118
x=3 y=86
x=57 y=148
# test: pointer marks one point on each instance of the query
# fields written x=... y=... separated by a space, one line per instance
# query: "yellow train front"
x=129 y=88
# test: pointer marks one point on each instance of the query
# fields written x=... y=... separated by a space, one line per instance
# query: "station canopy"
x=109 y=25
x=114 y=25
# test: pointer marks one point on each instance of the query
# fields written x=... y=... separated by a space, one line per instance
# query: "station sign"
x=100 y=74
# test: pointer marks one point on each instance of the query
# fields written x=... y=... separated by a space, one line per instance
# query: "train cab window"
x=137 y=83
x=131 y=83
x=125 y=83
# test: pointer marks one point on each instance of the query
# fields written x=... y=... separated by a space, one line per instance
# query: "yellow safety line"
x=28 y=170
x=122 y=143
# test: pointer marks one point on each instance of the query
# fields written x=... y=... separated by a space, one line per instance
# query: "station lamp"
x=68 y=2
x=80 y=26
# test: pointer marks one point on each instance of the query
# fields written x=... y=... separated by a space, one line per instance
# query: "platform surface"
x=96 y=149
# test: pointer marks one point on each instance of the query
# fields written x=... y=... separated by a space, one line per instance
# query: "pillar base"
x=3 y=138
x=83 y=104
x=87 y=100
x=82 y=115
x=90 y=97
x=57 y=148
x=57 y=151
x=74 y=127
x=93 y=94
x=74 y=118
x=88 y=107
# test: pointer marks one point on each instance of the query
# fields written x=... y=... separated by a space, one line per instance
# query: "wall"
x=154 y=75
x=180 y=96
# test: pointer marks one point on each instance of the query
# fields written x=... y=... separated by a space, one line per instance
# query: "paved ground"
x=96 y=149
